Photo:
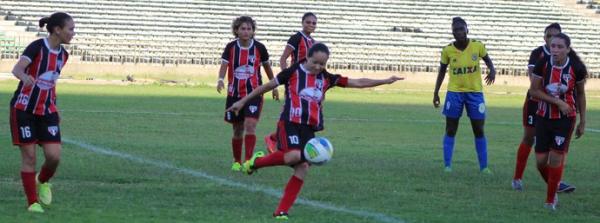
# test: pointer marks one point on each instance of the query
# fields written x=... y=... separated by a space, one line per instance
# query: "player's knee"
x=555 y=159
x=451 y=132
x=28 y=162
x=301 y=169
x=52 y=161
x=292 y=157
x=478 y=133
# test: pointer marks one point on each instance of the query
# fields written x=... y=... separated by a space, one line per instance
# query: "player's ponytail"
x=57 y=19
x=318 y=47
x=43 y=21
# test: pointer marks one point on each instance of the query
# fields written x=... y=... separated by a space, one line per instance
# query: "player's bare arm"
x=438 y=84
x=491 y=77
x=269 y=71
x=581 y=105
x=367 y=82
x=19 y=71
x=536 y=90
x=220 y=81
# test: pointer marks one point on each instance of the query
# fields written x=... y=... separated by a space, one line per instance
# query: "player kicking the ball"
x=306 y=83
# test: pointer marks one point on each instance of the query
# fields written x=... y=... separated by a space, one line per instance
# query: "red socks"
x=28 y=179
x=236 y=146
x=554 y=176
x=273 y=159
x=522 y=155
x=249 y=143
x=292 y=189
x=46 y=174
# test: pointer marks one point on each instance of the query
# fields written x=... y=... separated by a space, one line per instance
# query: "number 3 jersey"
x=304 y=94
x=45 y=67
x=243 y=67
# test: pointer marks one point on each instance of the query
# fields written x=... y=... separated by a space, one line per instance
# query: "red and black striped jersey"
x=539 y=53
x=45 y=67
x=558 y=82
x=300 y=42
x=304 y=94
x=243 y=66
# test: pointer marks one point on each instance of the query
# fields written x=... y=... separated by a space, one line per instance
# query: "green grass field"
x=162 y=154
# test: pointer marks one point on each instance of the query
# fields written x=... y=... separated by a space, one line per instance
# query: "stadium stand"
x=399 y=35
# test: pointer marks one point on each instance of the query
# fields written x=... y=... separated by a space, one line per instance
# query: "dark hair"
x=237 y=22
x=553 y=26
x=56 y=19
x=458 y=20
x=308 y=14
x=572 y=54
x=318 y=47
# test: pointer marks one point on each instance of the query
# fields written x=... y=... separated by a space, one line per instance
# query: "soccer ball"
x=318 y=151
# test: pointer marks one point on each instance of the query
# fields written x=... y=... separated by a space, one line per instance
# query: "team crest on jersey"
x=47 y=80
x=244 y=72
x=311 y=94
x=474 y=57
x=251 y=58
x=253 y=108
x=566 y=77
x=559 y=140
x=53 y=130
x=556 y=89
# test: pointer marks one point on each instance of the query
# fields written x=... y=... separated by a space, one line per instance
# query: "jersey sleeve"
x=264 y=54
x=538 y=69
x=482 y=50
x=337 y=80
x=294 y=41
x=533 y=57
x=445 y=57
x=284 y=76
x=226 y=54
x=32 y=50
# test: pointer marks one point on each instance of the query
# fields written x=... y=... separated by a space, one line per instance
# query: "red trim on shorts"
x=14 y=128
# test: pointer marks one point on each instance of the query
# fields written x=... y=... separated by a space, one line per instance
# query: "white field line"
x=223 y=181
x=441 y=120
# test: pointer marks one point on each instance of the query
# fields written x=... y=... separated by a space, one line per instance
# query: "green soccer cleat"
x=249 y=164
x=486 y=171
x=236 y=167
x=35 y=208
x=283 y=216
x=44 y=191
x=448 y=169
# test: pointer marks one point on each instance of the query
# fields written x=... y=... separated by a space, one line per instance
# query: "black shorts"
x=553 y=134
x=27 y=128
x=292 y=136
x=529 y=112
x=252 y=109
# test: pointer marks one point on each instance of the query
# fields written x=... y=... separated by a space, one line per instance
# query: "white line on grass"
x=254 y=187
x=441 y=120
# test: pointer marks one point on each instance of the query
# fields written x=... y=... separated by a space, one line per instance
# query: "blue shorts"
x=473 y=101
